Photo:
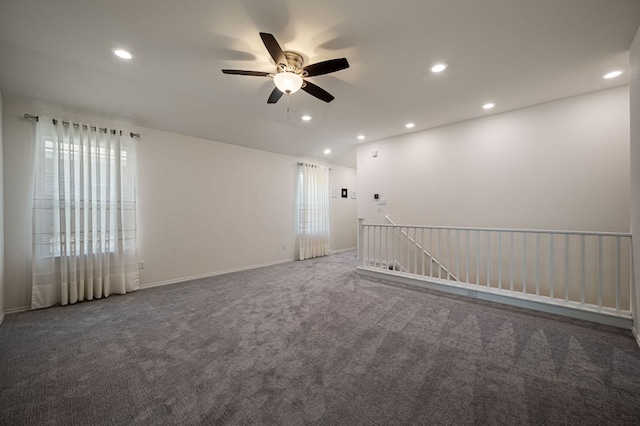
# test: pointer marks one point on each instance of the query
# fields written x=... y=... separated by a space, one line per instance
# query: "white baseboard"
x=342 y=250
x=636 y=335
x=211 y=274
x=18 y=310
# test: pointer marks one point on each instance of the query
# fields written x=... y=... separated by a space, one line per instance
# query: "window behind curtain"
x=70 y=154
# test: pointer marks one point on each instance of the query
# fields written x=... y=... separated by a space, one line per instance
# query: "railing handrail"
x=433 y=259
x=515 y=230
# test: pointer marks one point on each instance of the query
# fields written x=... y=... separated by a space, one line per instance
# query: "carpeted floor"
x=310 y=342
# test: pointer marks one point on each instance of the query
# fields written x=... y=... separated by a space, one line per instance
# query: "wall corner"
x=634 y=151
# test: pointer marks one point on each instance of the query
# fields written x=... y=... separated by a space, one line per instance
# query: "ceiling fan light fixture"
x=288 y=82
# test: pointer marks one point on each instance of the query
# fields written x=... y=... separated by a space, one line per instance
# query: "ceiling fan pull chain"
x=287 y=106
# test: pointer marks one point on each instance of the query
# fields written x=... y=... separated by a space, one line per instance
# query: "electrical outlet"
x=141 y=264
x=284 y=247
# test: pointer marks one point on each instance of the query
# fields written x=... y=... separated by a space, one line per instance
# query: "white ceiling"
x=57 y=53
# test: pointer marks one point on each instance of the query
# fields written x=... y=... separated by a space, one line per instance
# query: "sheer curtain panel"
x=313 y=211
x=84 y=214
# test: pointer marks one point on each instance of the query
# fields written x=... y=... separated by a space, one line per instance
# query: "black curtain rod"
x=66 y=123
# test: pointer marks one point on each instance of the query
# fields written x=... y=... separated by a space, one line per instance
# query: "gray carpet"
x=310 y=343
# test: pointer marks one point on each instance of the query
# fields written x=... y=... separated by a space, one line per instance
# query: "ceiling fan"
x=291 y=73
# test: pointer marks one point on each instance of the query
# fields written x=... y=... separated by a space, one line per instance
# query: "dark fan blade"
x=274 y=96
x=316 y=91
x=274 y=48
x=326 y=67
x=253 y=73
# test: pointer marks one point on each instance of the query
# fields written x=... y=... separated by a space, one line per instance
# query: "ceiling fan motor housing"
x=295 y=64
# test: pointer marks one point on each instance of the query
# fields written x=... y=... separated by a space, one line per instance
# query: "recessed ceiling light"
x=612 y=74
x=488 y=105
x=122 y=53
x=360 y=137
x=409 y=125
x=306 y=117
x=438 y=68
x=327 y=151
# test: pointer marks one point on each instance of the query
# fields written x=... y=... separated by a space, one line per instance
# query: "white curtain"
x=313 y=211
x=84 y=214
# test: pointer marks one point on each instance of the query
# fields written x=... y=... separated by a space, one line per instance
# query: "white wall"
x=203 y=207
x=634 y=58
x=344 y=223
x=560 y=165
x=2 y=306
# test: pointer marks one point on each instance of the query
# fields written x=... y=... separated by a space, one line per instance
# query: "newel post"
x=361 y=241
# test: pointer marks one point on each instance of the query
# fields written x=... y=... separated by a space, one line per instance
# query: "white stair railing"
x=581 y=271
x=423 y=250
